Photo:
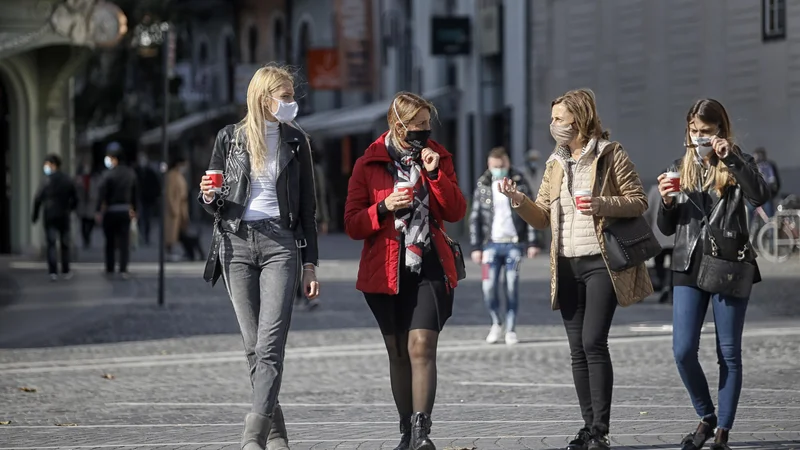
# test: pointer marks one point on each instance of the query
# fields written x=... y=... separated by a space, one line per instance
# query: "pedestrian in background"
x=57 y=198
x=176 y=213
x=87 y=183
x=667 y=243
x=407 y=270
x=499 y=239
x=707 y=215
x=149 y=182
x=265 y=230
x=116 y=207
x=582 y=286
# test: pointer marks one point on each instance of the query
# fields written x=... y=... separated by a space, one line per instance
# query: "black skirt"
x=423 y=302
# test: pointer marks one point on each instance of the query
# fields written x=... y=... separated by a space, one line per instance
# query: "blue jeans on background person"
x=688 y=313
x=497 y=256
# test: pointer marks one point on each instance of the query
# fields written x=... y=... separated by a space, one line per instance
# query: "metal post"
x=479 y=113
x=164 y=157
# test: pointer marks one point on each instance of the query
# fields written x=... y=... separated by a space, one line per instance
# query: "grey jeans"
x=261 y=269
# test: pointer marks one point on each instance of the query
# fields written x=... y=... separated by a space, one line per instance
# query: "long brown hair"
x=712 y=112
x=582 y=105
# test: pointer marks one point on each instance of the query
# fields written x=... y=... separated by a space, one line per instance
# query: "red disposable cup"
x=674 y=179
x=583 y=198
x=216 y=179
x=407 y=187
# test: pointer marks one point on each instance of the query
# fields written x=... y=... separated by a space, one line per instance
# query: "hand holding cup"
x=585 y=203
x=210 y=184
x=669 y=186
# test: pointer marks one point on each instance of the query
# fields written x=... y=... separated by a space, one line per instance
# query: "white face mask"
x=703 y=145
x=108 y=162
x=286 y=111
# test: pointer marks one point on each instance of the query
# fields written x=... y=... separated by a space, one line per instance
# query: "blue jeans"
x=688 y=312
x=495 y=257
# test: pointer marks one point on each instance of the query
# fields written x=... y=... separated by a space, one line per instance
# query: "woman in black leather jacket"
x=717 y=178
x=264 y=231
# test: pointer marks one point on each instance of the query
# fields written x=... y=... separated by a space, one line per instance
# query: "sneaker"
x=53 y=277
x=511 y=338
x=581 y=440
x=599 y=443
x=67 y=276
x=494 y=334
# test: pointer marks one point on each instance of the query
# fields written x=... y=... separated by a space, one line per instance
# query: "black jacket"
x=58 y=197
x=118 y=187
x=684 y=220
x=295 y=188
x=149 y=184
x=482 y=215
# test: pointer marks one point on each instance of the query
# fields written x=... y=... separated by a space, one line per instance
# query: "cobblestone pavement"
x=117 y=371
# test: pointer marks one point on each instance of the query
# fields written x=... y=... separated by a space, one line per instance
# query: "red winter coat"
x=370 y=183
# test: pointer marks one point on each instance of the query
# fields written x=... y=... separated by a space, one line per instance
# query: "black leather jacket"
x=684 y=220
x=482 y=215
x=295 y=188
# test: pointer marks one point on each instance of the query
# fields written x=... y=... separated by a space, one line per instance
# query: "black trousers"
x=117 y=228
x=588 y=301
x=87 y=226
x=57 y=232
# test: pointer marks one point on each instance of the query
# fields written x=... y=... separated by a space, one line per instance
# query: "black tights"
x=412 y=370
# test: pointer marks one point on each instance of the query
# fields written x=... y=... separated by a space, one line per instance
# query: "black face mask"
x=418 y=139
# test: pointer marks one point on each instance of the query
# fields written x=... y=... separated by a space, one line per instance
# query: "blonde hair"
x=405 y=106
x=718 y=177
x=250 y=130
x=581 y=104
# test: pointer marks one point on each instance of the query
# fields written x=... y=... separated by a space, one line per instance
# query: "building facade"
x=42 y=44
x=649 y=61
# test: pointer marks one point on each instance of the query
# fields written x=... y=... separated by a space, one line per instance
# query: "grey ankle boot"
x=278 y=437
x=256 y=428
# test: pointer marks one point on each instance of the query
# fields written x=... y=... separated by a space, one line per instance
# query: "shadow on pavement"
x=93 y=310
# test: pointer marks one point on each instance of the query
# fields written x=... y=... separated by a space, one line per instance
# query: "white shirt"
x=263 y=203
x=503 y=222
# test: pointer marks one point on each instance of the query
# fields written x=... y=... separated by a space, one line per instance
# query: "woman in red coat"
x=407 y=271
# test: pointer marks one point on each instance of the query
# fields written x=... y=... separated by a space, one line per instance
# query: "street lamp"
x=148 y=36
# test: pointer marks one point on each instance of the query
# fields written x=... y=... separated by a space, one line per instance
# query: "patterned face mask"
x=562 y=134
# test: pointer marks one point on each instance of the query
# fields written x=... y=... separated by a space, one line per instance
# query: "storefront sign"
x=354 y=35
x=451 y=36
x=324 y=70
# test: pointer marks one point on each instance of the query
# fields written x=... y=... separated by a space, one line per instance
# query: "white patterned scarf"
x=413 y=222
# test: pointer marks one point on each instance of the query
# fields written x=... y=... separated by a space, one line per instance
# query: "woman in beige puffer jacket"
x=582 y=286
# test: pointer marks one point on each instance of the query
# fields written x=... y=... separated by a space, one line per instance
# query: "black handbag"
x=629 y=243
x=455 y=248
x=629 y=240
x=725 y=267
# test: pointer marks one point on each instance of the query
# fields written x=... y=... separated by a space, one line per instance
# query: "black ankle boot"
x=705 y=430
x=405 y=431
x=581 y=441
x=420 y=428
x=720 y=440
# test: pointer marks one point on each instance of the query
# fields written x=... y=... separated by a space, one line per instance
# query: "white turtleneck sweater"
x=263 y=203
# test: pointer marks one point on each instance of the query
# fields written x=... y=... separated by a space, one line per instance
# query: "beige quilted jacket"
x=622 y=196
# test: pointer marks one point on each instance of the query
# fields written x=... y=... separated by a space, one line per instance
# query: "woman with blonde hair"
x=264 y=232
x=401 y=191
x=588 y=182
x=712 y=262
